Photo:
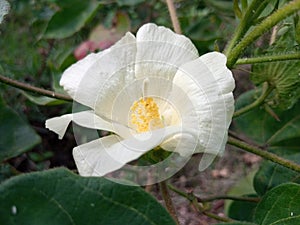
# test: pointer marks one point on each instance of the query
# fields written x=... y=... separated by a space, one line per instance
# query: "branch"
x=27 y=87
x=257 y=31
x=173 y=15
x=168 y=201
x=269 y=58
x=235 y=198
x=243 y=26
x=194 y=200
x=191 y=196
x=266 y=155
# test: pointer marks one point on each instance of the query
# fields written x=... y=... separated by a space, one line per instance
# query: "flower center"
x=145 y=115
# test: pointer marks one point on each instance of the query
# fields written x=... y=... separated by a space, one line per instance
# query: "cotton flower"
x=150 y=91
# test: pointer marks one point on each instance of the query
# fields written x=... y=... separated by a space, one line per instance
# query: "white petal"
x=72 y=76
x=85 y=119
x=216 y=63
x=59 y=124
x=160 y=51
x=97 y=74
x=110 y=153
x=209 y=85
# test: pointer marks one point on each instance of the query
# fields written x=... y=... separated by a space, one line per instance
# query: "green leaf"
x=244 y=5
x=70 y=18
x=237 y=9
x=154 y=156
x=242 y=210
x=264 y=128
x=282 y=138
x=281 y=205
x=6 y=171
x=16 y=135
x=43 y=100
x=244 y=186
x=271 y=174
x=60 y=197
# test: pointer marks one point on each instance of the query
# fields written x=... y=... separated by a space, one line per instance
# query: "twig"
x=194 y=200
x=173 y=15
x=30 y=88
x=235 y=198
x=168 y=201
x=243 y=26
x=257 y=31
x=266 y=155
x=191 y=196
x=269 y=58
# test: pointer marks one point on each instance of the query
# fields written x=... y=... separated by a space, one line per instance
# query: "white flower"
x=150 y=90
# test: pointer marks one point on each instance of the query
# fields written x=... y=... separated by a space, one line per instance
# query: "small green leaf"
x=16 y=135
x=60 y=197
x=244 y=5
x=154 y=156
x=281 y=205
x=43 y=100
x=71 y=17
x=242 y=210
x=39 y=157
x=244 y=186
x=237 y=9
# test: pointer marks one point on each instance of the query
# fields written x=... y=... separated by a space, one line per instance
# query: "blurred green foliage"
x=40 y=38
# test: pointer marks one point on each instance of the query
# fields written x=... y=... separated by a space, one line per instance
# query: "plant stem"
x=194 y=200
x=265 y=25
x=27 y=87
x=209 y=214
x=269 y=58
x=191 y=196
x=266 y=155
x=188 y=196
x=235 y=198
x=266 y=90
x=168 y=201
x=242 y=27
x=173 y=15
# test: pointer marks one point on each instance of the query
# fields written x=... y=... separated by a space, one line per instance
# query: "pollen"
x=145 y=115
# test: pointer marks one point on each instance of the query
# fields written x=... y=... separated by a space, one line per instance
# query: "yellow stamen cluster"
x=145 y=115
